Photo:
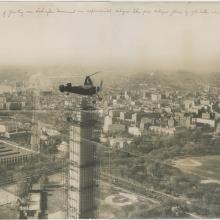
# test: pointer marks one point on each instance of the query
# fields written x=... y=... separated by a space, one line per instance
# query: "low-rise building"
x=115 y=128
x=126 y=116
x=171 y=122
x=15 y=105
x=11 y=154
x=133 y=130
x=155 y=97
x=63 y=147
x=34 y=207
x=204 y=102
x=9 y=126
x=206 y=115
x=119 y=142
x=50 y=136
x=138 y=116
x=209 y=122
x=146 y=122
x=162 y=130
x=217 y=129
x=114 y=113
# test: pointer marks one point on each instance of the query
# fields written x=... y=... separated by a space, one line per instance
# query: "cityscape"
x=109 y=110
x=149 y=149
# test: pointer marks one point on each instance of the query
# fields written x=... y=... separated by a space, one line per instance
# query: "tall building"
x=217 y=129
x=82 y=174
x=189 y=104
x=107 y=123
x=2 y=102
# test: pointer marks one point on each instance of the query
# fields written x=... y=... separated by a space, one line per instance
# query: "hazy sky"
x=111 y=40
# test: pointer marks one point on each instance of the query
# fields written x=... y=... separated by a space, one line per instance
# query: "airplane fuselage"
x=79 y=90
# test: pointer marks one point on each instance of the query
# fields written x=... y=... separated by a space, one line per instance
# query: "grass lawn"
x=116 y=203
x=207 y=166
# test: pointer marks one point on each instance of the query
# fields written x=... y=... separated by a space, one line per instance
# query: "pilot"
x=88 y=83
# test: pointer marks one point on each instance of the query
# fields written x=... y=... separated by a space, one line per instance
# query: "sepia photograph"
x=109 y=110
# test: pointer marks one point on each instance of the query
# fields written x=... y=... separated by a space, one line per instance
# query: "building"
x=126 y=95
x=15 y=105
x=126 y=116
x=2 y=99
x=63 y=147
x=182 y=120
x=179 y=118
x=195 y=109
x=155 y=97
x=49 y=136
x=217 y=130
x=2 y=130
x=35 y=207
x=134 y=131
x=114 y=102
x=188 y=104
x=82 y=176
x=114 y=113
x=119 y=142
x=203 y=121
x=146 y=123
x=11 y=154
x=146 y=94
x=188 y=122
x=116 y=128
x=162 y=130
x=167 y=109
x=6 y=89
x=137 y=117
x=107 y=123
x=204 y=102
x=205 y=115
x=171 y=122
x=2 y=102
x=9 y=126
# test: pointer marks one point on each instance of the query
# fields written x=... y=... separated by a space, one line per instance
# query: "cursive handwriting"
x=107 y=11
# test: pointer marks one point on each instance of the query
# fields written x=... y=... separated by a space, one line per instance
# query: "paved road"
x=129 y=191
x=153 y=193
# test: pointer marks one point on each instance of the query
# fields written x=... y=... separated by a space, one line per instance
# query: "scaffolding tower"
x=36 y=127
x=83 y=177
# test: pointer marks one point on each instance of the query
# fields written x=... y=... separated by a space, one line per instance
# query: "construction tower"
x=82 y=173
x=36 y=128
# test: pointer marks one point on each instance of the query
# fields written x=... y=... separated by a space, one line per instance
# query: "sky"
x=133 y=36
